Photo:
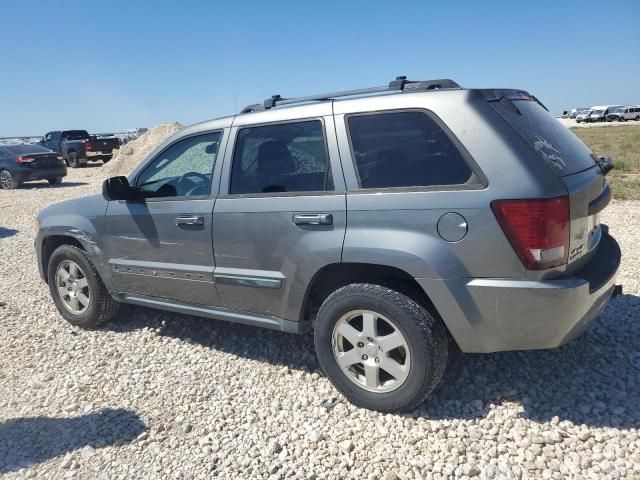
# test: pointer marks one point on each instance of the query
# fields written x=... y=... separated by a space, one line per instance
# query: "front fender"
x=82 y=220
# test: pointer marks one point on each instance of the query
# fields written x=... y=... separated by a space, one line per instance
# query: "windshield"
x=597 y=112
x=558 y=147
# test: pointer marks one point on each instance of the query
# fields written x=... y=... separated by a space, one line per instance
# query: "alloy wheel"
x=371 y=351
x=5 y=180
x=72 y=287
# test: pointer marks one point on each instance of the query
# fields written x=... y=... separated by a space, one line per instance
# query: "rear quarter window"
x=556 y=145
x=405 y=149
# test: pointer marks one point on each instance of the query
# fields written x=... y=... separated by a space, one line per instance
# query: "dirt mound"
x=130 y=155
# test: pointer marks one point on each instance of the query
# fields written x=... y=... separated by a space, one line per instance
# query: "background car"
x=616 y=115
x=598 y=115
x=583 y=116
x=23 y=163
x=631 y=113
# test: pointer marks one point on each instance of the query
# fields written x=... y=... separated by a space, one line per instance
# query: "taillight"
x=87 y=145
x=538 y=229
x=24 y=159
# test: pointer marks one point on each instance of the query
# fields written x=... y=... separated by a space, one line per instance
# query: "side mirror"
x=117 y=188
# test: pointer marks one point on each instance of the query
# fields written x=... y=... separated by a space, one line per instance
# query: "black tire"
x=102 y=307
x=72 y=160
x=637 y=119
x=7 y=181
x=423 y=332
x=54 y=180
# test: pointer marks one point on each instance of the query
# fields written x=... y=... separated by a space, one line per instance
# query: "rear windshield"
x=20 y=150
x=556 y=144
x=75 y=134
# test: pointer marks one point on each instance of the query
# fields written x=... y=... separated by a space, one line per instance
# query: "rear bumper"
x=98 y=155
x=26 y=174
x=490 y=315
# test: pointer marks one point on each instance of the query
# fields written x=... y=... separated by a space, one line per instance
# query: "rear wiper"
x=535 y=99
x=509 y=103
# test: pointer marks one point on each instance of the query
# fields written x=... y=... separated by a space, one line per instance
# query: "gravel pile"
x=160 y=395
x=130 y=155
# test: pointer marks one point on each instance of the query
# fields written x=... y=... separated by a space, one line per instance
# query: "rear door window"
x=286 y=157
x=405 y=149
x=558 y=147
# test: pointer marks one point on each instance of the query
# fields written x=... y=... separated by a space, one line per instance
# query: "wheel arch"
x=334 y=276
x=49 y=245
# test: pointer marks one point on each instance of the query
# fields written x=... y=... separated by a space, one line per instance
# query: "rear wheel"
x=380 y=348
x=7 y=181
x=72 y=160
x=637 y=118
x=77 y=289
x=54 y=180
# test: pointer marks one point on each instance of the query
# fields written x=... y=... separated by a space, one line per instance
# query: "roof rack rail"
x=399 y=84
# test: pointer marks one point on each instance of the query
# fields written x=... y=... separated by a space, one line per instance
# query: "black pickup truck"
x=77 y=147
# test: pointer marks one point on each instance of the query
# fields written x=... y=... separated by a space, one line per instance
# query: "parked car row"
x=46 y=158
x=606 y=113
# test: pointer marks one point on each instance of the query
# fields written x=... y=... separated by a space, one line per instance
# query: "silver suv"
x=388 y=220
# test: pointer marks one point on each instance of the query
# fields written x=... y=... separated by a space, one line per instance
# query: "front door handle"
x=313 y=219
x=189 y=220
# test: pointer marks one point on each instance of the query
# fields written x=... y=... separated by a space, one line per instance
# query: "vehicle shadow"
x=591 y=380
x=8 y=232
x=28 y=441
x=45 y=184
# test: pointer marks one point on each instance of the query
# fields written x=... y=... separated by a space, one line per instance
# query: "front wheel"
x=77 y=289
x=379 y=348
x=54 y=180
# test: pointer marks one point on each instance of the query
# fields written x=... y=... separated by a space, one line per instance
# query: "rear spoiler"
x=508 y=96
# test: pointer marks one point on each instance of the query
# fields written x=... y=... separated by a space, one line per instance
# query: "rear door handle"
x=313 y=219
x=189 y=220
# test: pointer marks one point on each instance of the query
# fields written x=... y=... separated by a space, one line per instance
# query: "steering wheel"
x=196 y=185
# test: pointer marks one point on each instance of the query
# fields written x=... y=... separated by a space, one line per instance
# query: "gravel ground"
x=159 y=395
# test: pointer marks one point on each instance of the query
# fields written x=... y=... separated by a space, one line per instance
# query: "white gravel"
x=160 y=395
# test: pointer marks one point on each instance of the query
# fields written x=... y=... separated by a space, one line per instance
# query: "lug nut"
x=365 y=357
x=360 y=344
x=369 y=339
x=377 y=359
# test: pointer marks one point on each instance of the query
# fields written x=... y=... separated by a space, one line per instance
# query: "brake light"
x=538 y=229
x=87 y=145
x=24 y=159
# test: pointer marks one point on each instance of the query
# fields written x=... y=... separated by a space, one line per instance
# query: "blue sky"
x=109 y=66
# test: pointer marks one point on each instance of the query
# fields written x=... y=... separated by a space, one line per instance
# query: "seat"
x=275 y=163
